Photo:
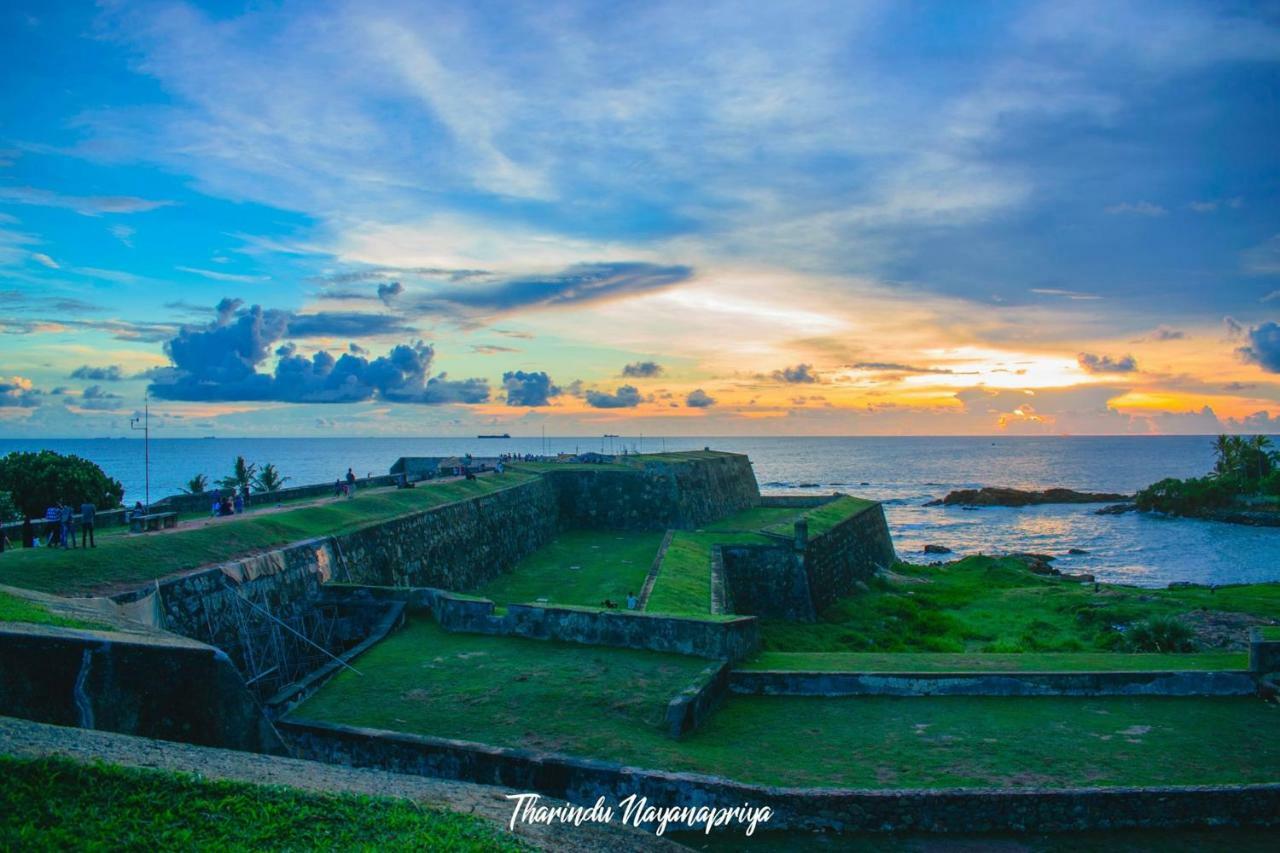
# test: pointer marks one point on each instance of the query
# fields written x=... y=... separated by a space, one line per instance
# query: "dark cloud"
x=17 y=393
x=529 y=388
x=110 y=373
x=219 y=362
x=1263 y=348
x=388 y=292
x=799 y=374
x=1164 y=333
x=576 y=285
x=340 y=324
x=226 y=309
x=1092 y=363
x=626 y=397
x=699 y=399
x=642 y=370
x=1234 y=329
x=897 y=367
x=95 y=397
x=382 y=273
x=491 y=349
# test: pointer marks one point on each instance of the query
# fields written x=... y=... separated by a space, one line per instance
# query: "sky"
x=438 y=218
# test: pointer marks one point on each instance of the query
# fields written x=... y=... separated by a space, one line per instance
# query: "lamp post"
x=146 y=445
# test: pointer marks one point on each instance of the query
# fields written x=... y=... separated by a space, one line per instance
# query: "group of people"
x=232 y=504
x=60 y=527
x=345 y=487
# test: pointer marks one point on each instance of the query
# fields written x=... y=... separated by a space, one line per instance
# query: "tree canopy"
x=39 y=480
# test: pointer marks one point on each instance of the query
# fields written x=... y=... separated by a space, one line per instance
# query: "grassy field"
x=608 y=704
x=756 y=519
x=823 y=518
x=986 y=604
x=582 y=567
x=684 y=581
x=1025 y=662
x=128 y=559
x=528 y=693
x=15 y=609
x=56 y=804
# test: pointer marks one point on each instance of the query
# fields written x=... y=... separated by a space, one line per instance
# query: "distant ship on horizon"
x=504 y=435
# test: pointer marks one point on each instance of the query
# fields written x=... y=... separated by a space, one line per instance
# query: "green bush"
x=1161 y=634
x=8 y=509
x=1184 y=497
x=37 y=481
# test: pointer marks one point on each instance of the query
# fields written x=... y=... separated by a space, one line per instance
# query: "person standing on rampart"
x=88 y=515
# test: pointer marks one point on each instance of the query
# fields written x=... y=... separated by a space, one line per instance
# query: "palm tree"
x=1223 y=447
x=269 y=479
x=196 y=485
x=242 y=476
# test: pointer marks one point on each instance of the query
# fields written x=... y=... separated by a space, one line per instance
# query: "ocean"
x=903 y=472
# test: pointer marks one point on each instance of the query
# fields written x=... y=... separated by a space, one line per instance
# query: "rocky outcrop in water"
x=1000 y=496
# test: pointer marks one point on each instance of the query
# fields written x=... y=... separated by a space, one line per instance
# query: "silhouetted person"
x=28 y=532
x=88 y=515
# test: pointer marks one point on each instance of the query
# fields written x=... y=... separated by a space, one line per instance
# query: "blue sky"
x=941 y=217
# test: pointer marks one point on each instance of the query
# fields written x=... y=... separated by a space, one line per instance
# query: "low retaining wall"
x=582 y=781
x=691 y=708
x=1182 y=683
x=1264 y=655
x=155 y=686
x=730 y=639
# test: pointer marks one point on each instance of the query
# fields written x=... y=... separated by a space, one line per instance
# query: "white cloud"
x=44 y=260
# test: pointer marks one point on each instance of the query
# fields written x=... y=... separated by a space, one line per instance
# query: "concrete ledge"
x=960 y=810
x=691 y=708
x=1181 y=683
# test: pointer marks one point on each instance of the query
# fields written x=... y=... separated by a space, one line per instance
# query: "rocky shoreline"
x=1001 y=496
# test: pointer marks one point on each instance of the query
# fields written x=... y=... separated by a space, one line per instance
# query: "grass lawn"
x=122 y=560
x=608 y=704
x=56 y=804
x=986 y=604
x=757 y=518
x=582 y=567
x=684 y=581
x=823 y=518
x=15 y=609
x=1025 y=662
x=531 y=693
x=1270 y=632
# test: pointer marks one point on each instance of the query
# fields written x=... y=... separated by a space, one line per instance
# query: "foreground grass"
x=15 y=609
x=684 y=580
x=1026 y=662
x=608 y=704
x=582 y=567
x=56 y=804
x=986 y=604
x=122 y=560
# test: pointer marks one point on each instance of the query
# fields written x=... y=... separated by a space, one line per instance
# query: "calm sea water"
x=902 y=472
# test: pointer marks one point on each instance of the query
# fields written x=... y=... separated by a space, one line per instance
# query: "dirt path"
x=33 y=740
